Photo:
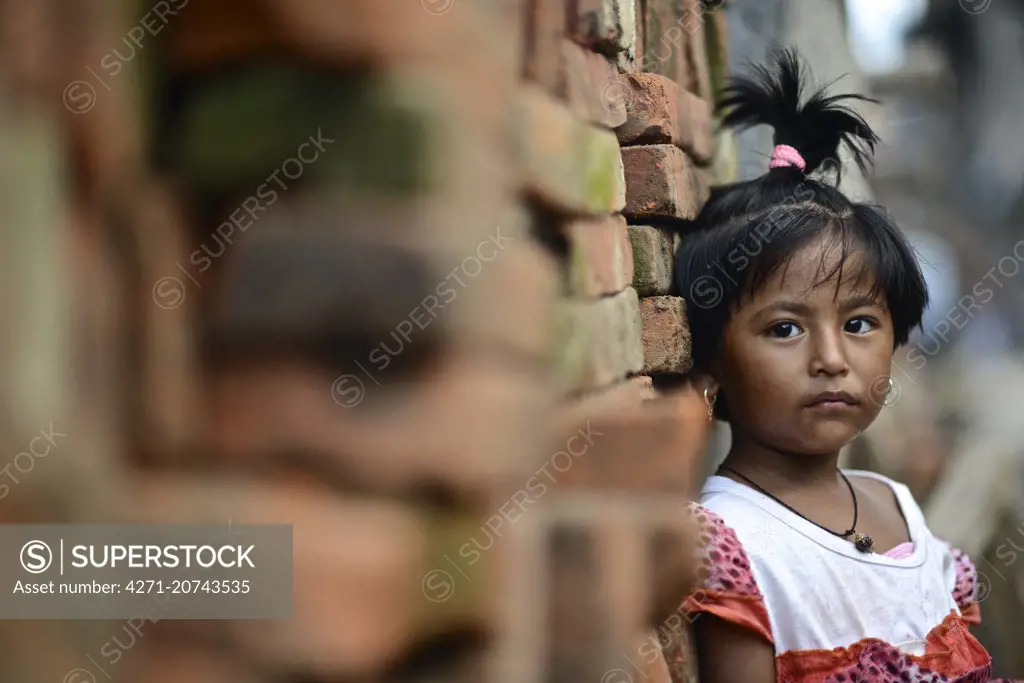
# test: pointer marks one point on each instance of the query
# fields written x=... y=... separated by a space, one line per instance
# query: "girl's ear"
x=709 y=383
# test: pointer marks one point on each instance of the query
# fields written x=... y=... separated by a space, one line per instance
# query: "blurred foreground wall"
x=362 y=267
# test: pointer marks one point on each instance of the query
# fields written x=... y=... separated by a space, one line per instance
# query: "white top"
x=820 y=591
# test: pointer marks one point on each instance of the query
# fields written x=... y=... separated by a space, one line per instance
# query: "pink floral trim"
x=965 y=591
x=724 y=565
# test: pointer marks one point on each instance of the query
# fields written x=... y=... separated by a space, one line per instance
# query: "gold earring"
x=710 y=401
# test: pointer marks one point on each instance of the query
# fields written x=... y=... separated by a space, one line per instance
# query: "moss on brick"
x=568 y=164
x=453 y=595
x=652 y=260
x=603 y=168
x=643 y=268
x=573 y=347
x=235 y=131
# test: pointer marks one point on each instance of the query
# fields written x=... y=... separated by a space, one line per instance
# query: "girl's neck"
x=779 y=471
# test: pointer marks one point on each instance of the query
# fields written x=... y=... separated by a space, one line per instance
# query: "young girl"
x=797 y=298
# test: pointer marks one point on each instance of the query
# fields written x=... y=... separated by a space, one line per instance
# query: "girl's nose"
x=827 y=355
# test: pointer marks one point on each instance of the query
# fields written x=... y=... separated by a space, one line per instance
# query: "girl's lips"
x=832 y=406
x=832 y=398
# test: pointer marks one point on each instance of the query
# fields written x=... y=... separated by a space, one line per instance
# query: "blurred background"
x=399 y=273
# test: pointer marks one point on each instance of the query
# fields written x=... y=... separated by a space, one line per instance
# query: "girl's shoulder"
x=726 y=587
x=953 y=557
x=882 y=482
x=893 y=497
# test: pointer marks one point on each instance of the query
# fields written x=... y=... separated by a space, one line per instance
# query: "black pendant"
x=862 y=542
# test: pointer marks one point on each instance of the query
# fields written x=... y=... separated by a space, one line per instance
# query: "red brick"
x=509 y=305
x=369 y=555
x=624 y=395
x=653 y=256
x=699 y=81
x=666 y=334
x=602 y=259
x=662 y=182
x=580 y=617
x=104 y=125
x=628 y=393
x=608 y=540
x=110 y=309
x=449 y=78
x=665 y=35
x=608 y=26
x=545 y=59
x=717 y=37
x=593 y=86
x=602 y=340
x=338 y=285
x=167 y=411
x=351 y=292
x=566 y=164
x=45 y=650
x=31 y=52
x=427 y=431
x=213 y=33
x=653 y=445
x=661 y=112
x=638 y=20
x=513 y=17
x=673 y=547
x=171 y=662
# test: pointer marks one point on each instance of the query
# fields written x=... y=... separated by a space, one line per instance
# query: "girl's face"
x=804 y=369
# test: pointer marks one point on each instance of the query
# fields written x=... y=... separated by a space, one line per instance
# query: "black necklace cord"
x=853 y=528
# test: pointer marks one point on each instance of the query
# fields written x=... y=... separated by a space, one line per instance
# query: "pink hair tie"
x=784 y=155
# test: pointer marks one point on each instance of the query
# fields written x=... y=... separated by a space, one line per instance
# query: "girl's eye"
x=784 y=330
x=860 y=325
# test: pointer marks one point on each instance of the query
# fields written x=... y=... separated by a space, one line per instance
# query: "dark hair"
x=747 y=230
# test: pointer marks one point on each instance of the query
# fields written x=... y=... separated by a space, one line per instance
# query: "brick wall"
x=398 y=277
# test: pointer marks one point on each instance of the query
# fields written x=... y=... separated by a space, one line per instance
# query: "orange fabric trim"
x=747 y=611
x=972 y=615
x=950 y=650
